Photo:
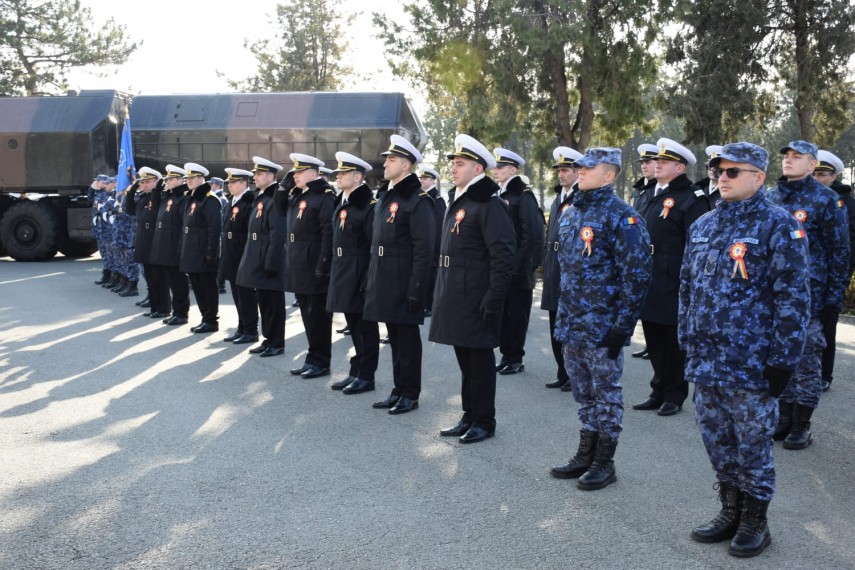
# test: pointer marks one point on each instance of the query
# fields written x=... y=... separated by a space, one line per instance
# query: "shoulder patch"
x=798 y=234
x=630 y=221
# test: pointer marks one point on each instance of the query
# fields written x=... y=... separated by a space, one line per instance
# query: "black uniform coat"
x=642 y=194
x=528 y=229
x=309 y=238
x=668 y=241
x=352 y=224
x=845 y=192
x=406 y=240
x=476 y=268
x=551 y=269
x=166 y=243
x=200 y=240
x=262 y=265
x=439 y=215
x=144 y=207
x=235 y=227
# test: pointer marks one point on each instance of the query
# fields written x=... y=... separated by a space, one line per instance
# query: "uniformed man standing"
x=309 y=250
x=352 y=222
x=429 y=179
x=710 y=184
x=402 y=242
x=108 y=236
x=827 y=170
x=125 y=237
x=262 y=265
x=564 y=158
x=217 y=185
x=822 y=214
x=143 y=202
x=97 y=197
x=642 y=193
x=235 y=226
x=605 y=261
x=477 y=264
x=200 y=245
x=527 y=221
x=166 y=244
x=744 y=309
x=675 y=206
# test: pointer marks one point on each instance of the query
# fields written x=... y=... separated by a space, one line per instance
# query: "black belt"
x=552 y=246
x=256 y=237
x=292 y=238
x=341 y=251
x=448 y=261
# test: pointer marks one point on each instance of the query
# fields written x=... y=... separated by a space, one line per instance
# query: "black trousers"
x=668 y=361
x=157 y=280
x=557 y=348
x=246 y=303
x=180 y=288
x=430 y=285
x=478 y=386
x=366 y=340
x=515 y=316
x=829 y=330
x=272 y=306
x=207 y=295
x=318 y=324
x=406 y=342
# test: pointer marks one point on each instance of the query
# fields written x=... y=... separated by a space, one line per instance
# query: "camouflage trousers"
x=108 y=254
x=737 y=425
x=127 y=266
x=595 y=379
x=805 y=387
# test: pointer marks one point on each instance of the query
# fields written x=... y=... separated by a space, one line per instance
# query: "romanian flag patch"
x=798 y=234
x=630 y=221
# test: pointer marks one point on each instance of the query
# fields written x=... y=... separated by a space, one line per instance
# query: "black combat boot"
x=122 y=283
x=105 y=276
x=752 y=536
x=114 y=278
x=800 y=437
x=725 y=523
x=785 y=420
x=130 y=290
x=602 y=471
x=582 y=460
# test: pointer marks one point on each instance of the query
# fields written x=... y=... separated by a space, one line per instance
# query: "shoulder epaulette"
x=423 y=194
x=328 y=191
x=700 y=193
x=372 y=202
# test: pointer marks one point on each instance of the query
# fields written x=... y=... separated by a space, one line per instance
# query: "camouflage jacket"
x=823 y=217
x=604 y=255
x=744 y=295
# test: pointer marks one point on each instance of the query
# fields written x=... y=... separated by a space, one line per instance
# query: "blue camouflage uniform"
x=822 y=215
x=604 y=255
x=99 y=198
x=108 y=232
x=125 y=229
x=744 y=306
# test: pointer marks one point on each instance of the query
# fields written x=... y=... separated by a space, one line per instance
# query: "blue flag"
x=127 y=168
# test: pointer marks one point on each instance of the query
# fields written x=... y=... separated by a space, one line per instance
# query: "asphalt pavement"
x=126 y=444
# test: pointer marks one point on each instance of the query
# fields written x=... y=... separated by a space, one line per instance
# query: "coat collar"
x=482 y=190
x=408 y=186
x=360 y=197
x=515 y=187
x=201 y=192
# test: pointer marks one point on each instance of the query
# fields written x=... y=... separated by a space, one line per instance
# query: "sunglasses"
x=732 y=172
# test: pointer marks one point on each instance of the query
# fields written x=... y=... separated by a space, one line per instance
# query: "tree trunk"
x=804 y=103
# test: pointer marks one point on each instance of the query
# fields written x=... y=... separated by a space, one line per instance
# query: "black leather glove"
x=488 y=317
x=287 y=183
x=614 y=341
x=321 y=278
x=778 y=379
x=414 y=304
x=828 y=314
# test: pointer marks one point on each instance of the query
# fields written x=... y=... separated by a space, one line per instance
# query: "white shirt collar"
x=236 y=199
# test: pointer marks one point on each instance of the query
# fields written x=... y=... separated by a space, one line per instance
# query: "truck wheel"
x=30 y=231
x=78 y=248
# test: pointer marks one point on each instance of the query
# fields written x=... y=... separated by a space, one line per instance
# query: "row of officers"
x=734 y=296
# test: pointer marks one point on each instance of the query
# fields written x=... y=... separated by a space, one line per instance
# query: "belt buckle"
x=292 y=238
x=555 y=246
x=186 y=230
x=230 y=235
x=380 y=250
x=651 y=249
x=146 y=225
x=338 y=251
x=447 y=261
x=254 y=236
x=159 y=224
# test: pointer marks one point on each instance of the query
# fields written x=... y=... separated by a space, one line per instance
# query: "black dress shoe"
x=385 y=340
x=246 y=339
x=512 y=368
x=345 y=330
x=298 y=371
x=172 y=321
x=501 y=365
x=427 y=313
x=640 y=353
x=474 y=434
x=258 y=349
x=342 y=383
x=668 y=409
x=404 y=405
x=271 y=351
x=455 y=431
x=232 y=337
x=826 y=384
x=315 y=372
x=156 y=315
x=650 y=403
x=206 y=328
x=140 y=303
x=146 y=314
x=557 y=384
x=387 y=403
x=145 y=303
x=358 y=386
x=568 y=387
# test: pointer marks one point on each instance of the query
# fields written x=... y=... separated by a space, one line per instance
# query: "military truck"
x=51 y=148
